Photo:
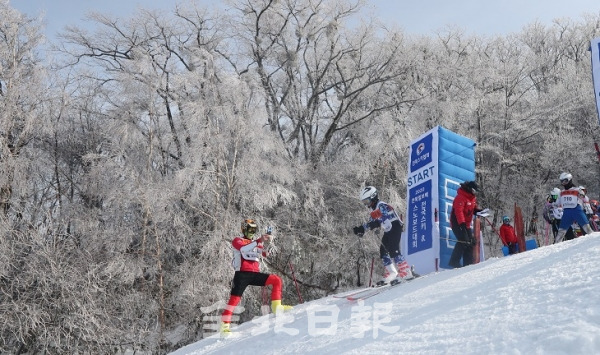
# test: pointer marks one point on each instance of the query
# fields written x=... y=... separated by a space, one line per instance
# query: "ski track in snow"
x=544 y=301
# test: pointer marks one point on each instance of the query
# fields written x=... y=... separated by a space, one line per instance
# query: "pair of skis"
x=363 y=294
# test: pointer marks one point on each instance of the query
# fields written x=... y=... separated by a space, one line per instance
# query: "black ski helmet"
x=470 y=186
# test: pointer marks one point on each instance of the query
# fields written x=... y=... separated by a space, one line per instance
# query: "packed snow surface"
x=543 y=301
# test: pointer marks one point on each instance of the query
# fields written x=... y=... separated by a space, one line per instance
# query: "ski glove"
x=466 y=236
x=359 y=230
x=374 y=224
x=470 y=238
x=264 y=238
x=473 y=241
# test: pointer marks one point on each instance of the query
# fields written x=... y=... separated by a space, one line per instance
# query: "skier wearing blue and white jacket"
x=571 y=201
x=383 y=215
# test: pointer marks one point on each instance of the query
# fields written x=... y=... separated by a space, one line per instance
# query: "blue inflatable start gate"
x=439 y=161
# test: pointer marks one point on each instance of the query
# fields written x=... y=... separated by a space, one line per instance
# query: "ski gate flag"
x=595 y=48
x=439 y=161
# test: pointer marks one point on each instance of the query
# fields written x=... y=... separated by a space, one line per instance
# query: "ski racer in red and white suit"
x=246 y=256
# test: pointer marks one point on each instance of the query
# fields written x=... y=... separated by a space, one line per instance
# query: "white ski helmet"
x=565 y=176
x=368 y=193
x=555 y=191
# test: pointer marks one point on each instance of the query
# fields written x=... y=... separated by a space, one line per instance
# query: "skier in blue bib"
x=571 y=201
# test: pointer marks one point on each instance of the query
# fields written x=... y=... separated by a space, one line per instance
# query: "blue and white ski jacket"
x=382 y=215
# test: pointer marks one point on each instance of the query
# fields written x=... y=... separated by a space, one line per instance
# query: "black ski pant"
x=463 y=248
x=512 y=248
x=390 y=242
x=555 y=224
x=243 y=279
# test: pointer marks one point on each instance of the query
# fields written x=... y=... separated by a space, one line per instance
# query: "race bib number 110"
x=568 y=199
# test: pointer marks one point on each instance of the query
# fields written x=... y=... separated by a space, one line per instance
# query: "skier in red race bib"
x=383 y=215
x=246 y=255
x=571 y=201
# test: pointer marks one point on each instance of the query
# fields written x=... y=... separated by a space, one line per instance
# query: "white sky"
x=416 y=17
x=543 y=301
x=480 y=16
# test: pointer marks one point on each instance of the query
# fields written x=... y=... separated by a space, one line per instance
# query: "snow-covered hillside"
x=544 y=301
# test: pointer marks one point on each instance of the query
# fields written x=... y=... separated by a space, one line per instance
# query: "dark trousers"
x=390 y=242
x=463 y=249
x=243 y=279
x=555 y=223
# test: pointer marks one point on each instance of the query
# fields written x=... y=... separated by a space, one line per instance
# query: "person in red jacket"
x=246 y=255
x=464 y=207
x=508 y=236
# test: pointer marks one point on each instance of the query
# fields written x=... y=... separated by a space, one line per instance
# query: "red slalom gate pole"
x=493 y=228
x=296 y=283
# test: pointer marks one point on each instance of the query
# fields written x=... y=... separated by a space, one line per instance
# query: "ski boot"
x=225 y=329
x=277 y=307
x=405 y=271
x=389 y=274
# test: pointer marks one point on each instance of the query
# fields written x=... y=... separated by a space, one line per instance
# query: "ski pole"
x=493 y=228
x=364 y=256
x=455 y=240
x=362 y=248
x=371 y=276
